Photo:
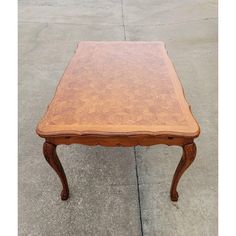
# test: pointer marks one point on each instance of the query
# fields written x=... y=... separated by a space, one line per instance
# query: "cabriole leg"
x=49 y=151
x=189 y=154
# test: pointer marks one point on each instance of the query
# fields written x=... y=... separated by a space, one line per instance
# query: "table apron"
x=122 y=141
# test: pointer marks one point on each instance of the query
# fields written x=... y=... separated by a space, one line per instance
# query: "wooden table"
x=119 y=94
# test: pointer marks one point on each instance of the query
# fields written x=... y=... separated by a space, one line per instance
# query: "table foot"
x=49 y=151
x=189 y=154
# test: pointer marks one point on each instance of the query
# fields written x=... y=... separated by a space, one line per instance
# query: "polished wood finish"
x=189 y=154
x=124 y=141
x=116 y=88
x=49 y=151
x=119 y=94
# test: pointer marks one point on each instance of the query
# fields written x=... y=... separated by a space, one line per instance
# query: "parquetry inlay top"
x=119 y=88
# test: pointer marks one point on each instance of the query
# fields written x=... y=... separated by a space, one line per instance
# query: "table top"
x=119 y=88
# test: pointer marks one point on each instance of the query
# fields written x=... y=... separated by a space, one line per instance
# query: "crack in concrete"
x=122 y=25
x=139 y=200
x=123 y=21
x=174 y=23
x=36 y=38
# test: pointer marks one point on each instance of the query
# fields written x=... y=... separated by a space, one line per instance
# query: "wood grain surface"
x=119 y=88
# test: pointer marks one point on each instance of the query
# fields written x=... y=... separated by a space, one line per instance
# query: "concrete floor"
x=104 y=197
